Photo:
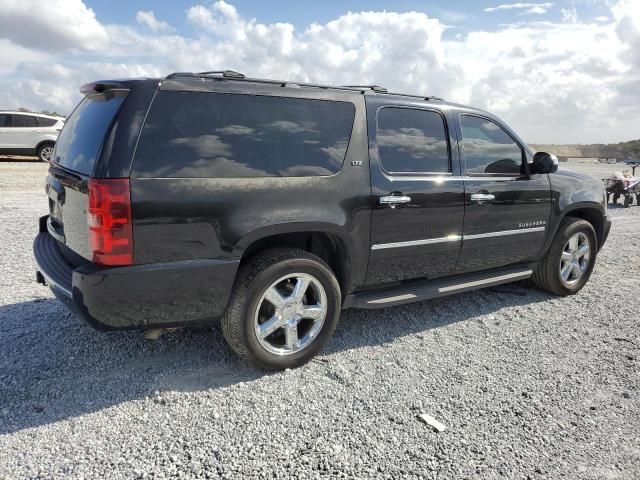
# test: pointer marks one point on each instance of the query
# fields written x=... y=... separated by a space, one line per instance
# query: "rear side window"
x=24 y=121
x=45 y=122
x=81 y=138
x=231 y=135
x=5 y=120
x=488 y=149
x=411 y=140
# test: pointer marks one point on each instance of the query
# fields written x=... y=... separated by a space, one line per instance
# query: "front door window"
x=488 y=149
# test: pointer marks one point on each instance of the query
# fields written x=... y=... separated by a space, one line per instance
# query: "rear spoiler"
x=101 y=86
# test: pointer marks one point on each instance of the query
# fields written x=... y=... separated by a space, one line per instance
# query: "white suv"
x=25 y=133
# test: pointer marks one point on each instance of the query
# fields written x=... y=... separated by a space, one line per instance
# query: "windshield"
x=80 y=141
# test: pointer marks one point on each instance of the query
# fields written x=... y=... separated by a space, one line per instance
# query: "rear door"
x=21 y=132
x=417 y=209
x=506 y=209
x=75 y=155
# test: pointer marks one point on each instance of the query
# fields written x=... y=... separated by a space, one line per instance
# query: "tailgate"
x=74 y=159
x=68 y=204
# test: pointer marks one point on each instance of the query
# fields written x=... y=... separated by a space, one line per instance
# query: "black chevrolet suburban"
x=272 y=205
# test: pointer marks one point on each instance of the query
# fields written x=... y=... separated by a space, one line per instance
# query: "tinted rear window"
x=411 y=140
x=24 y=121
x=46 y=122
x=81 y=138
x=230 y=135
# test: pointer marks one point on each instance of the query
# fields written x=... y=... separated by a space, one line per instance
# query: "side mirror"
x=544 y=162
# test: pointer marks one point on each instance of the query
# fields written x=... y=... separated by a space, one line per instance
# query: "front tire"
x=45 y=151
x=569 y=262
x=284 y=308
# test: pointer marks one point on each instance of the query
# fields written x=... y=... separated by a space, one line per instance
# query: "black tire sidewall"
x=567 y=231
x=332 y=290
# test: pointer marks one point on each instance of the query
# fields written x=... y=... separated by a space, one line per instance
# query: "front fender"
x=576 y=194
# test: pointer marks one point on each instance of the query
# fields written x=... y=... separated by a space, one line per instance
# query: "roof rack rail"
x=428 y=98
x=375 y=88
x=233 y=75
x=224 y=73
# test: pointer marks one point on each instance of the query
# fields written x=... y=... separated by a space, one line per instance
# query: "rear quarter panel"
x=198 y=218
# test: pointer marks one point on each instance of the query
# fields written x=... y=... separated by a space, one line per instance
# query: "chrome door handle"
x=394 y=200
x=482 y=197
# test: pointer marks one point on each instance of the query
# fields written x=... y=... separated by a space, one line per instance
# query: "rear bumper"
x=140 y=296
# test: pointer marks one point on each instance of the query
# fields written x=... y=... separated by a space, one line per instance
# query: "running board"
x=428 y=289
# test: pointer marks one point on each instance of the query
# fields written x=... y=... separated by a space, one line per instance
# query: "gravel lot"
x=528 y=385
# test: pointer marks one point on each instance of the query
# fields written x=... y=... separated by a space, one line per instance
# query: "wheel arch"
x=592 y=213
x=328 y=242
x=43 y=142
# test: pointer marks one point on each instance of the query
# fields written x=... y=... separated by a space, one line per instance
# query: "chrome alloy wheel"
x=290 y=314
x=46 y=153
x=575 y=259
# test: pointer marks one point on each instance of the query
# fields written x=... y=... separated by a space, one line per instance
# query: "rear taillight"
x=109 y=221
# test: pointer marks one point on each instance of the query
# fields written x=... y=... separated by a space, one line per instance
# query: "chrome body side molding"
x=502 y=233
x=413 y=243
x=455 y=238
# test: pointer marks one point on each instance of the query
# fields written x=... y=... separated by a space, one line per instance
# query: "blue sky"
x=462 y=16
x=557 y=71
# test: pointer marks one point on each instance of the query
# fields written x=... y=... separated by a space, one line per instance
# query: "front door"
x=417 y=215
x=506 y=209
x=5 y=121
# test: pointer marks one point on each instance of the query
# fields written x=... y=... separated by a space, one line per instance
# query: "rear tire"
x=45 y=151
x=569 y=261
x=284 y=308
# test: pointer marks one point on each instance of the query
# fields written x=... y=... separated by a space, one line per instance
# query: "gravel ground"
x=528 y=386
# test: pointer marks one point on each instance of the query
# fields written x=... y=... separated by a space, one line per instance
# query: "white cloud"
x=530 y=7
x=553 y=82
x=534 y=11
x=569 y=14
x=13 y=55
x=149 y=19
x=627 y=17
x=51 y=25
